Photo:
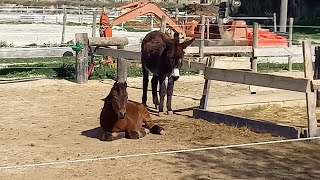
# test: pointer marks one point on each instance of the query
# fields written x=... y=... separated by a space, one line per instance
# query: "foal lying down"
x=122 y=118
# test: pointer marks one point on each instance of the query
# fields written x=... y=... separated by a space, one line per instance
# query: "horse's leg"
x=145 y=85
x=149 y=124
x=107 y=136
x=154 y=84
x=134 y=134
x=169 y=94
x=162 y=92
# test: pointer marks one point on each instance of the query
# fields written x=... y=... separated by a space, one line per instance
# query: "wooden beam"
x=206 y=87
x=119 y=53
x=82 y=59
x=121 y=68
x=256 y=99
x=255 y=125
x=219 y=49
x=275 y=52
x=35 y=52
x=257 y=79
x=310 y=95
x=108 y=41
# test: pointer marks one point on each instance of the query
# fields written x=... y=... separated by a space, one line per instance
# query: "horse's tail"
x=149 y=124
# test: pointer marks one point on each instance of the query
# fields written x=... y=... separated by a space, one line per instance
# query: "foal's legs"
x=154 y=86
x=162 y=92
x=145 y=85
x=169 y=94
x=108 y=136
x=134 y=134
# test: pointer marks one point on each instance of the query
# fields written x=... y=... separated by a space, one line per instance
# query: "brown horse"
x=122 y=118
x=162 y=56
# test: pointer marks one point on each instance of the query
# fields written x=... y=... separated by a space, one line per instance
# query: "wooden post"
x=206 y=87
x=290 y=43
x=64 y=26
x=283 y=15
x=163 y=23
x=121 y=68
x=94 y=24
x=202 y=35
x=202 y=28
x=254 y=63
x=310 y=95
x=176 y=15
x=317 y=71
x=274 y=22
x=82 y=59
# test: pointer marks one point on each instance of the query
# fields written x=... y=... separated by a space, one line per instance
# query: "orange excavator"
x=236 y=31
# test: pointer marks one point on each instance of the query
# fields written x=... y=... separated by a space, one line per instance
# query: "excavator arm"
x=143 y=9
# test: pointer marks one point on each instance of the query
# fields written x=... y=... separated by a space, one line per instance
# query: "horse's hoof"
x=162 y=132
x=160 y=114
x=170 y=112
x=156 y=106
x=147 y=131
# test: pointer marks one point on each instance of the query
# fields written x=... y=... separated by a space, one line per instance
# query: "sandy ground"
x=58 y=120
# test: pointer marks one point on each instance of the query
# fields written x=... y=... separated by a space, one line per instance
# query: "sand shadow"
x=95 y=133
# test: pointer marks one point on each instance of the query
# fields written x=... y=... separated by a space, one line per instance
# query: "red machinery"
x=236 y=30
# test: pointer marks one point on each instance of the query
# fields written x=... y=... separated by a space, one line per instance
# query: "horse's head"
x=119 y=97
x=175 y=52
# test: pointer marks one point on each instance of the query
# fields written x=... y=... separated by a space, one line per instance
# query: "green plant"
x=4 y=44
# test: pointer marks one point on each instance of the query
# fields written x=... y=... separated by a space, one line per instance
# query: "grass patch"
x=276 y=67
x=4 y=44
x=16 y=22
x=37 y=60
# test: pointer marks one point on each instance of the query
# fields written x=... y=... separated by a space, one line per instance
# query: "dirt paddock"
x=57 y=120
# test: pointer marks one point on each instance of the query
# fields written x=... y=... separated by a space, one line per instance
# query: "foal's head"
x=119 y=97
x=176 y=53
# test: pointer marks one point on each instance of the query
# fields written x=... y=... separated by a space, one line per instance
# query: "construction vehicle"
x=228 y=31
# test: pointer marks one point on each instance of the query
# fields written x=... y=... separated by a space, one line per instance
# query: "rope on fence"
x=154 y=153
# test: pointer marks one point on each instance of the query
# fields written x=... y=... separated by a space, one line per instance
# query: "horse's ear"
x=187 y=43
x=125 y=84
x=115 y=84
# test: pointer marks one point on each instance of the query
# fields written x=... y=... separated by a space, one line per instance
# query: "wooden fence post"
x=64 y=26
x=202 y=28
x=317 y=71
x=163 y=23
x=121 y=68
x=274 y=22
x=82 y=58
x=202 y=36
x=254 y=63
x=176 y=15
x=94 y=24
x=310 y=94
x=290 y=43
x=206 y=87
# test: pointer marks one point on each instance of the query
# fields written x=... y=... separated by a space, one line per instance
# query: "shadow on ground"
x=285 y=161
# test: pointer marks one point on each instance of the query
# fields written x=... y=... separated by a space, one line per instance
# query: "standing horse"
x=122 y=118
x=162 y=56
